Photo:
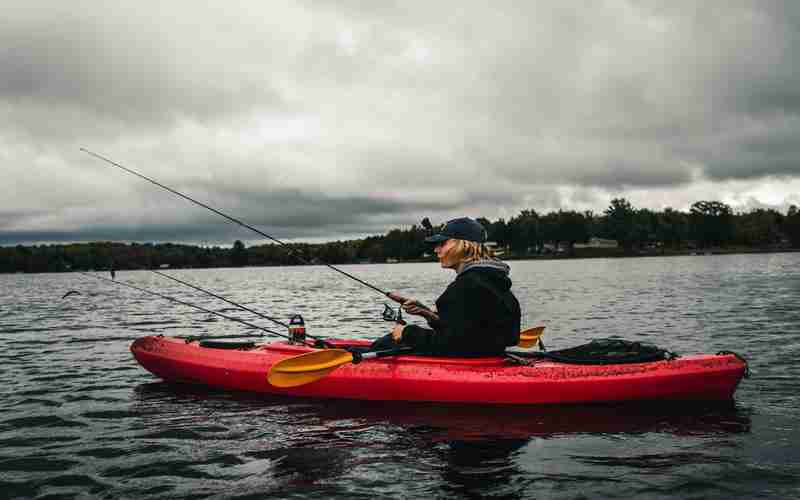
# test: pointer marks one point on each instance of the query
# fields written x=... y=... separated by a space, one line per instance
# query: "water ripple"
x=81 y=419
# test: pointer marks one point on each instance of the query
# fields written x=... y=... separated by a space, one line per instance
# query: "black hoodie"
x=478 y=315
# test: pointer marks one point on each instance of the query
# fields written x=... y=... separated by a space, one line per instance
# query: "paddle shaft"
x=312 y=366
x=359 y=357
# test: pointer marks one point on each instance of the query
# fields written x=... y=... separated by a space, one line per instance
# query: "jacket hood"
x=495 y=270
x=496 y=265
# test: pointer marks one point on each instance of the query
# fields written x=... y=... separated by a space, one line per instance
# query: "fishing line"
x=291 y=250
x=189 y=304
x=245 y=308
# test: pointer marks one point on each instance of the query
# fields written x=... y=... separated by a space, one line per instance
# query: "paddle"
x=531 y=337
x=311 y=366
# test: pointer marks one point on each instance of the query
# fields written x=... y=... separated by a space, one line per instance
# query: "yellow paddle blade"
x=530 y=337
x=308 y=367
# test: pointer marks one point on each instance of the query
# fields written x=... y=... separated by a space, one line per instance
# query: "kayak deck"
x=489 y=380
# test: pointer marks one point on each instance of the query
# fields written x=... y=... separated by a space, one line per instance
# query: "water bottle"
x=297 y=330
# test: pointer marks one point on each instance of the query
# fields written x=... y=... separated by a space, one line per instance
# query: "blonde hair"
x=463 y=252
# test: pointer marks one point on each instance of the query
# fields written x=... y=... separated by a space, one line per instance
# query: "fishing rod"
x=291 y=250
x=320 y=341
x=189 y=304
x=244 y=308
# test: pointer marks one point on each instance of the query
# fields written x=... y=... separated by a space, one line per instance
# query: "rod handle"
x=402 y=300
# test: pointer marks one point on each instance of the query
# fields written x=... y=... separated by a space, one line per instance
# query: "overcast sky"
x=327 y=120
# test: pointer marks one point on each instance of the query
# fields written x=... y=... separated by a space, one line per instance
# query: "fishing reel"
x=391 y=314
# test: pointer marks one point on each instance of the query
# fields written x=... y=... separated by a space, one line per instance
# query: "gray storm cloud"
x=329 y=118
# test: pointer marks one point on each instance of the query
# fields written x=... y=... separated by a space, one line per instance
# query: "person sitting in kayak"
x=477 y=315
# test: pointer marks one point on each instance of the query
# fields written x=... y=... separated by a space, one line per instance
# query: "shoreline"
x=579 y=254
x=619 y=254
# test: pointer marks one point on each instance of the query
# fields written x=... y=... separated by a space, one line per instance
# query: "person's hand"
x=396 y=297
x=397 y=333
x=413 y=306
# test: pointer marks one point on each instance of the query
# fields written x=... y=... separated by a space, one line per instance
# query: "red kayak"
x=491 y=380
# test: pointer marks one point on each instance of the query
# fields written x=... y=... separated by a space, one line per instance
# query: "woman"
x=477 y=315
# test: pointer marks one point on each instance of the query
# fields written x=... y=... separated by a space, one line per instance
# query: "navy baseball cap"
x=462 y=228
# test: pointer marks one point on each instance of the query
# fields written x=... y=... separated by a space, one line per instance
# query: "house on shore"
x=598 y=243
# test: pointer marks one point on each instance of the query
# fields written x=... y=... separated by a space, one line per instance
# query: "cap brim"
x=436 y=238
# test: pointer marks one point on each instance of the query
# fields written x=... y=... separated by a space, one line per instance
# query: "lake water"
x=80 y=419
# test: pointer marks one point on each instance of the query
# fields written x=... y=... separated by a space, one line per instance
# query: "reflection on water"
x=470 y=450
x=447 y=422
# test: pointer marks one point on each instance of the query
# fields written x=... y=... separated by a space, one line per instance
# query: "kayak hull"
x=493 y=380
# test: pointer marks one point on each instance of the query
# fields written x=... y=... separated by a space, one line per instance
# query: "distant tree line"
x=707 y=225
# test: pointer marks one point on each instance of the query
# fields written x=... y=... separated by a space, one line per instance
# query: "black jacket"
x=478 y=315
